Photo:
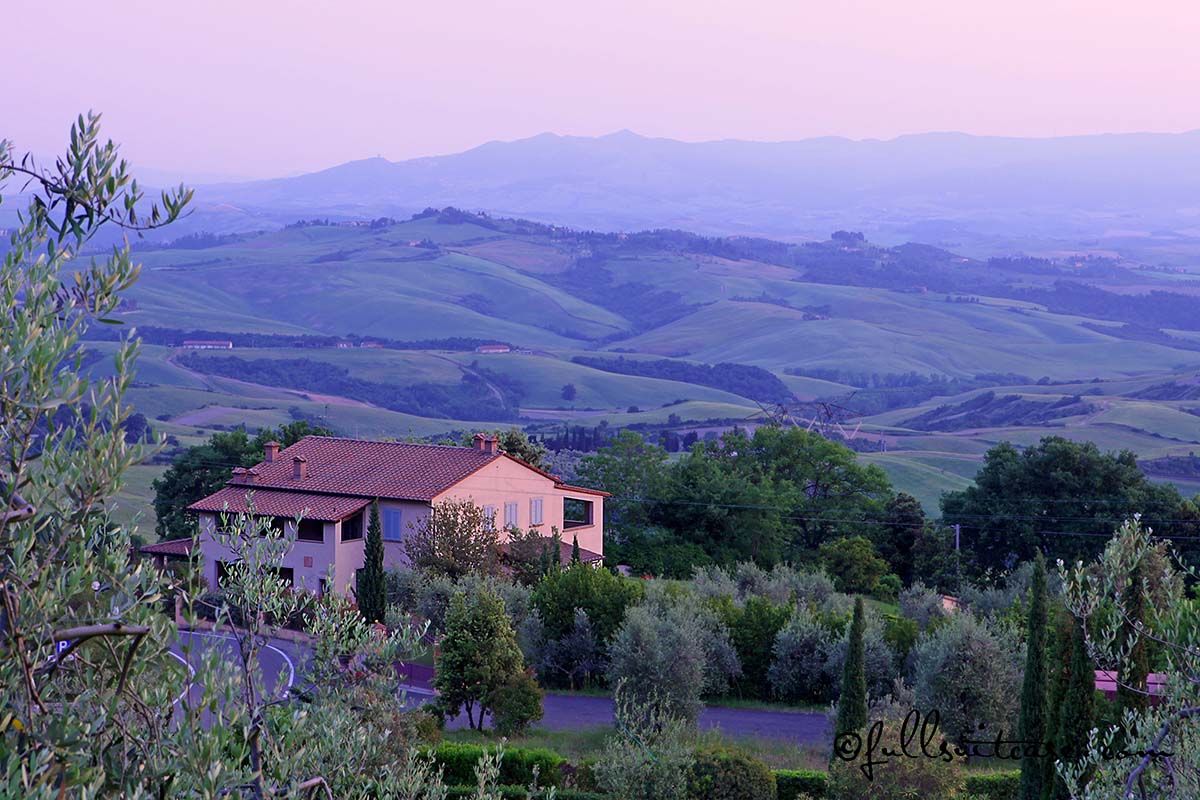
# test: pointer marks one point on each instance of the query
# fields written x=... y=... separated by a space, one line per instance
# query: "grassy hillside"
x=844 y=310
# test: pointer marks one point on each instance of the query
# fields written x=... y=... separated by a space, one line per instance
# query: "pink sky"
x=269 y=87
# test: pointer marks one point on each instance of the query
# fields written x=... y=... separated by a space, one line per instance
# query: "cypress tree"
x=1059 y=669
x=852 y=704
x=1075 y=715
x=372 y=586
x=1032 y=726
x=575 y=557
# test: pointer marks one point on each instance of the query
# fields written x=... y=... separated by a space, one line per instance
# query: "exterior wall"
x=506 y=481
x=410 y=514
x=307 y=560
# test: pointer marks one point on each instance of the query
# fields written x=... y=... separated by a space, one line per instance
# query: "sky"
x=263 y=88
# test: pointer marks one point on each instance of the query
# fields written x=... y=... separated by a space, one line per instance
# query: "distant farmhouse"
x=493 y=348
x=330 y=484
x=207 y=344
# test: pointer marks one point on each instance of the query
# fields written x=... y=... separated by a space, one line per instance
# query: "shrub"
x=922 y=605
x=624 y=770
x=879 y=662
x=719 y=774
x=995 y=785
x=792 y=784
x=598 y=592
x=888 y=587
x=970 y=671
x=753 y=629
x=458 y=762
x=471 y=792
x=898 y=779
x=853 y=564
x=515 y=704
x=799 y=655
x=659 y=653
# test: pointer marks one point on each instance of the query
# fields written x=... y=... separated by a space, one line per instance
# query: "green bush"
x=512 y=792
x=583 y=776
x=515 y=704
x=995 y=785
x=898 y=779
x=719 y=774
x=793 y=783
x=458 y=762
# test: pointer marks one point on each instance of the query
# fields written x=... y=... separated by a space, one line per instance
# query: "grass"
x=583 y=743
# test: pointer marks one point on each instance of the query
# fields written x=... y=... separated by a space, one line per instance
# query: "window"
x=311 y=530
x=510 y=515
x=489 y=518
x=535 y=511
x=576 y=513
x=352 y=528
x=392 y=519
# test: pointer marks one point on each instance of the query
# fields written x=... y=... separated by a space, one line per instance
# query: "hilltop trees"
x=1057 y=485
x=201 y=470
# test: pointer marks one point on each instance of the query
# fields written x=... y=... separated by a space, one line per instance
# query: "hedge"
x=520 y=793
x=458 y=762
x=791 y=783
x=719 y=774
x=995 y=785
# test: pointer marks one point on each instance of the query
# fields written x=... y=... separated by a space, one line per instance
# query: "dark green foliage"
x=994 y=785
x=1056 y=485
x=1076 y=714
x=852 y=702
x=900 y=634
x=791 y=783
x=721 y=774
x=853 y=564
x=516 y=443
x=575 y=558
x=985 y=410
x=752 y=629
x=601 y=594
x=755 y=383
x=1032 y=724
x=1058 y=668
x=516 y=768
x=203 y=469
x=895 y=540
x=472 y=398
x=515 y=704
x=371 y=591
x=478 y=656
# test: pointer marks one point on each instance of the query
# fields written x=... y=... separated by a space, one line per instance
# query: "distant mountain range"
x=997 y=194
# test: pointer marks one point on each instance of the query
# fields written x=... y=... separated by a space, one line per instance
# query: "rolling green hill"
x=839 y=311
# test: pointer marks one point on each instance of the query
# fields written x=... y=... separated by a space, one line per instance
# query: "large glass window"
x=311 y=530
x=392 y=522
x=352 y=528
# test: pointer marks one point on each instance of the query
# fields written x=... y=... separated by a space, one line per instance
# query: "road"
x=282 y=664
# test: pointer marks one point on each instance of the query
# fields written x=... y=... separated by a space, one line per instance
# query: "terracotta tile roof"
x=180 y=548
x=393 y=470
x=275 y=503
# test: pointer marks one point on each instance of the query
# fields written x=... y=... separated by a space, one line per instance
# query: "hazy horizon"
x=269 y=89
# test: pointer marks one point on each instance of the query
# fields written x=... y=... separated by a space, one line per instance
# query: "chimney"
x=486 y=444
x=272 y=449
x=299 y=468
x=242 y=475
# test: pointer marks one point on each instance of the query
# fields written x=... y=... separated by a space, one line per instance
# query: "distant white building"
x=207 y=344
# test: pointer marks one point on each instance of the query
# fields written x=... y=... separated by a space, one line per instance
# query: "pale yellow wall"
x=319 y=555
x=505 y=481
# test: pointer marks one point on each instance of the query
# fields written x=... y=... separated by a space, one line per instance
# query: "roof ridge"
x=407 y=444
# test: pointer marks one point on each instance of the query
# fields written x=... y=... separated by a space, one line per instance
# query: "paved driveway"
x=571 y=711
x=279 y=663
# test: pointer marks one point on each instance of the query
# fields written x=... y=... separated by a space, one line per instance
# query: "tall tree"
x=1076 y=712
x=1032 y=724
x=896 y=540
x=575 y=557
x=517 y=443
x=453 y=539
x=852 y=704
x=1058 y=667
x=371 y=590
x=1131 y=688
x=478 y=656
x=1057 y=485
